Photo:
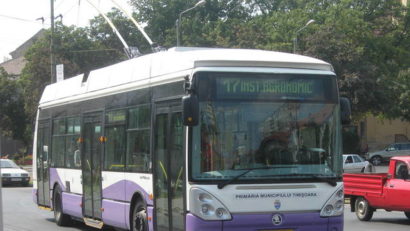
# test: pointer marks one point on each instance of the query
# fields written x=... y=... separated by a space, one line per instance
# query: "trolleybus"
x=194 y=139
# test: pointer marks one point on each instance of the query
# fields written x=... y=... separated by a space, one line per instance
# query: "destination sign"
x=232 y=88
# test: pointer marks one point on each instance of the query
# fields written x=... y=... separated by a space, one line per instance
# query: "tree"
x=12 y=116
x=160 y=17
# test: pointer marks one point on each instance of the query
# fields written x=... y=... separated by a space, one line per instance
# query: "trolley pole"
x=52 y=58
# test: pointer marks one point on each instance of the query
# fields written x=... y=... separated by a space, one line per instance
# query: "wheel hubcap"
x=361 y=208
x=139 y=221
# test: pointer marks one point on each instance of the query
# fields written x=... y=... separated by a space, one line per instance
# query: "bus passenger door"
x=91 y=165
x=43 y=180
x=169 y=174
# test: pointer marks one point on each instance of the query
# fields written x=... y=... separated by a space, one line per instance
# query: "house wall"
x=378 y=133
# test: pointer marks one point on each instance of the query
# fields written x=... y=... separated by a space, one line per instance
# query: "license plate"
x=15 y=179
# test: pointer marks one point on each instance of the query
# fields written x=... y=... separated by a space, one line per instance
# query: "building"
x=15 y=65
x=375 y=133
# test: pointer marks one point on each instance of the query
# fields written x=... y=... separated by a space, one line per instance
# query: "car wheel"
x=407 y=215
x=60 y=218
x=139 y=217
x=364 y=211
x=376 y=160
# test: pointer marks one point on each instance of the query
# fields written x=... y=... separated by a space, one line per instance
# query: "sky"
x=18 y=18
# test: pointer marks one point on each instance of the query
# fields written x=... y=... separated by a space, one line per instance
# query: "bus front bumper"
x=265 y=222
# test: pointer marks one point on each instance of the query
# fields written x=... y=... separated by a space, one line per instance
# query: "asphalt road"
x=21 y=214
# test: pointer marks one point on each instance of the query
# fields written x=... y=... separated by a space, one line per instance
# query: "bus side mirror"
x=190 y=110
x=345 y=110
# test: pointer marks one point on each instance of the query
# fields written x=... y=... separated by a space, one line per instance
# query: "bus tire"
x=407 y=214
x=60 y=218
x=139 y=217
x=364 y=211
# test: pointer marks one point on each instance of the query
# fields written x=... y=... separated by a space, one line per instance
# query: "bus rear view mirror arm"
x=345 y=110
x=190 y=110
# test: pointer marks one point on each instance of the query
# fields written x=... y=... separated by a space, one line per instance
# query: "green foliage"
x=351 y=141
x=402 y=89
x=12 y=116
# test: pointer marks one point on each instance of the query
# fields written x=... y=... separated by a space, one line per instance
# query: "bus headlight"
x=206 y=206
x=335 y=205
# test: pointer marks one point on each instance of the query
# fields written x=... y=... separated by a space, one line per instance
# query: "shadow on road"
x=395 y=221
x=81 y=226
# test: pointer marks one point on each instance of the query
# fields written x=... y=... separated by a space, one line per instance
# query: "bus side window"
x=138 y=157
x=114 y=151
x=58 y=142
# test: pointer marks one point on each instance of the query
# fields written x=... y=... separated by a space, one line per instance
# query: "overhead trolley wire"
x=21 y=19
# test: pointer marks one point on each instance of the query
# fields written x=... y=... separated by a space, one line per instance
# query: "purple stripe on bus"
x=72 y=204
x=196 y=223
x=127 y=211
x=54 y=177
x=114 y=213
x=115 y=191
x=124 y=190
x=254 y=222
x=34 y=195
x=150 y=213
x=336 y=223
x=299 y=221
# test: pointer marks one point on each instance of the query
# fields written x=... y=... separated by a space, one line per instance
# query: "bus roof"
x=163 y=67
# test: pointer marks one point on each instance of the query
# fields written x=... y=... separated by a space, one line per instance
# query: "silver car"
x=11 y=173
x=396 y=149
x=353 y=163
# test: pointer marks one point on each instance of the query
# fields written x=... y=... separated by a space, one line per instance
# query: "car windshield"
x=360 y=158
x=8 y=164
x=285 y=127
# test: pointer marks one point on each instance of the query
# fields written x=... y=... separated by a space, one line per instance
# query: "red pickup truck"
x=389 y=191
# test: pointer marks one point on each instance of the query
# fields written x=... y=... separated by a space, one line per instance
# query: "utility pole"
x=52 y=58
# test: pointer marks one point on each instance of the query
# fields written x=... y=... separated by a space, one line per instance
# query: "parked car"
x=389 y=191
x=396 y=149
x=11 y=173
x=353 y=163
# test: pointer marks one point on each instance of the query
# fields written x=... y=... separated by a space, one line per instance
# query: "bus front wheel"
x=139 y=217
x=61 y=218
x=364 y=211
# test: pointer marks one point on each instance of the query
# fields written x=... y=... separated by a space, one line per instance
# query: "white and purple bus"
x=194 y=139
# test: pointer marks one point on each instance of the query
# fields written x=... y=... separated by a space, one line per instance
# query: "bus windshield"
x=290 y=132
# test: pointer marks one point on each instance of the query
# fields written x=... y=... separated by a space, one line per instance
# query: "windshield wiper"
x=330 y=180
x=225 y=183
